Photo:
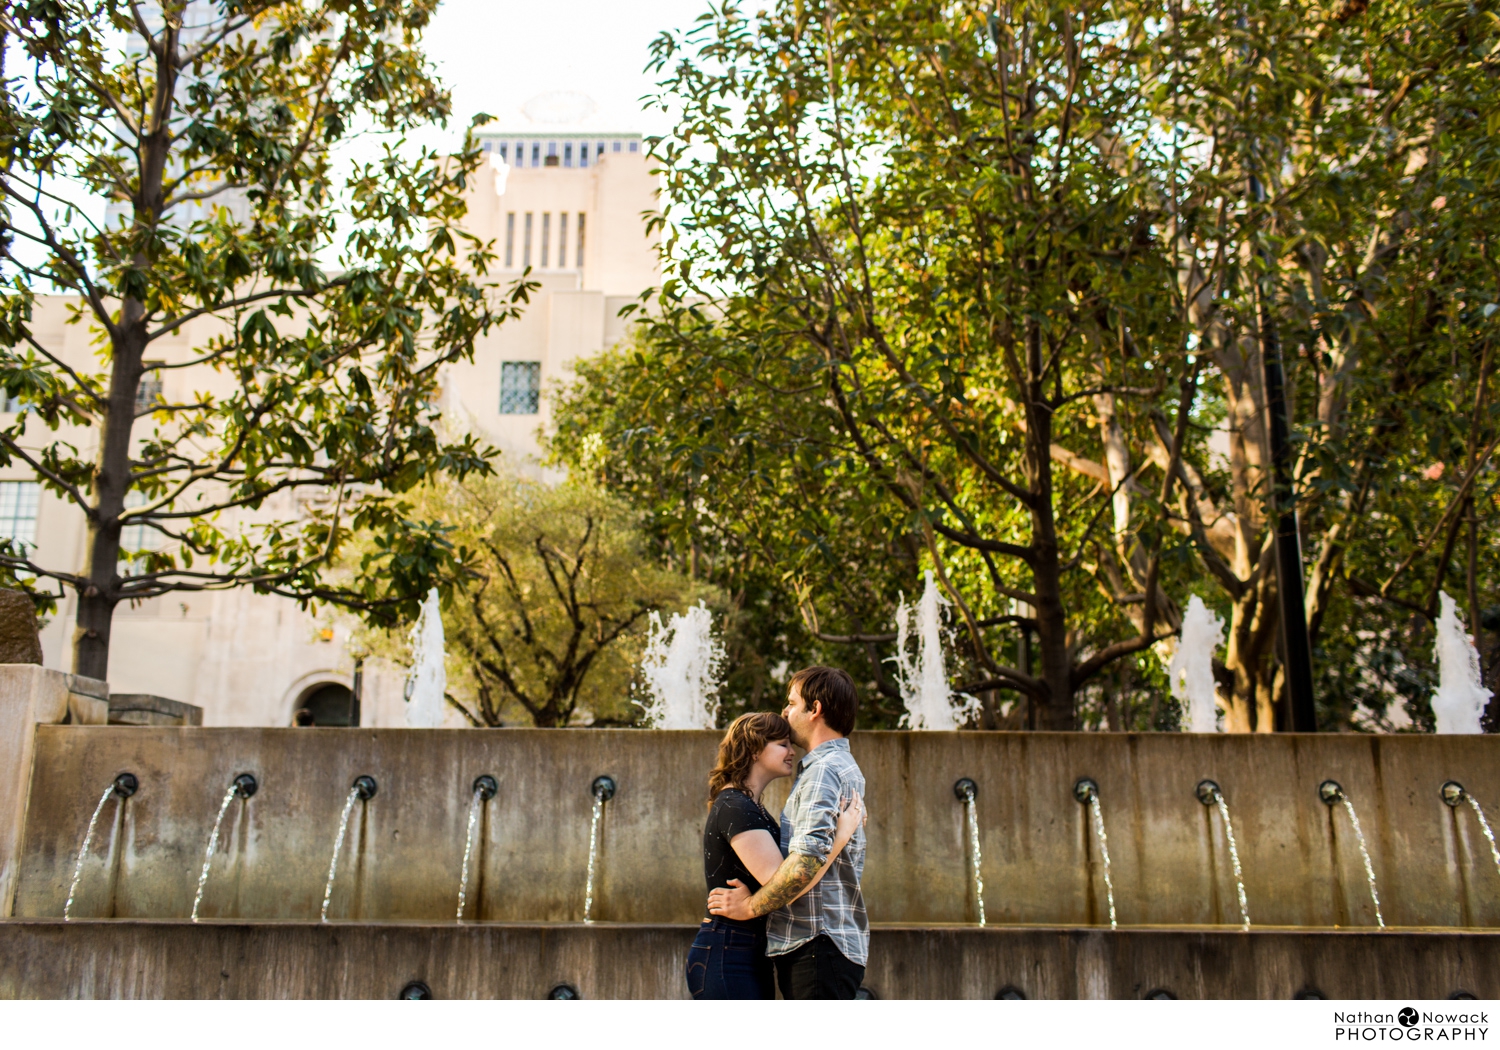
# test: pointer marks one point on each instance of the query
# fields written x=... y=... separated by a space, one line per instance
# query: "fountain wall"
x=1040 y=858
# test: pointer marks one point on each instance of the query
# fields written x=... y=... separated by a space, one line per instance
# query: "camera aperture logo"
x=1409 y=1025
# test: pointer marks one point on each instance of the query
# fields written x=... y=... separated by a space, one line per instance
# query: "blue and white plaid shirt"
x=826 y=775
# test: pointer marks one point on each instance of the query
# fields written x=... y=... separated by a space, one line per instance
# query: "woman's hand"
x=733 y=903
x=852 y=817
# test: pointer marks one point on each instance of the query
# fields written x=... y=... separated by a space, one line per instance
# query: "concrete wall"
x=1041 y=862
x=177 y=960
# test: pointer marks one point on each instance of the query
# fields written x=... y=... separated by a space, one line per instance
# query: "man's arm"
x=794 y=876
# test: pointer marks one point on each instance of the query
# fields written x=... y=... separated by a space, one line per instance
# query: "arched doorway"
x=329 y=702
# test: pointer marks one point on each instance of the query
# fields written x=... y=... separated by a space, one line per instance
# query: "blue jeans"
x=729 y=962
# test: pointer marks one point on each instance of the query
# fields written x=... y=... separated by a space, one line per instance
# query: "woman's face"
x=777 y=759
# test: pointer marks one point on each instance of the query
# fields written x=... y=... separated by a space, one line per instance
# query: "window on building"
x=598 y=150
x=567 y=154
x=148 y=394
x=137 y=538
x=536 y=154
x=526 y=243
x=579 y=249
x=500 y=149
x=617 y=147
x=520 y=387
x=510 y=239
x=635 y=147
x=583 y=154
x=520 y=154
x=546 y=237
x=562 y=240
x=11 y=403
x=18 y=500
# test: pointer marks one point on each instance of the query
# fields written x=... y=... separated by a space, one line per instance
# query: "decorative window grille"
x=562 y=240
x=18 y=501
x=526 y=243
x=510 y=239
x=148 y=394
x=520 y=387
x=546 y=237
x=579 y=263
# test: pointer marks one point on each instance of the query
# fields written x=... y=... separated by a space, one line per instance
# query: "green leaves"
x=226 y=200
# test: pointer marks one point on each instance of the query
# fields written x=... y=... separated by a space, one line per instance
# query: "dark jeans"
x=817 y=970
x=729 y=962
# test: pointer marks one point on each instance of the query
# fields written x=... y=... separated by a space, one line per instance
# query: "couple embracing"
x=784 y=904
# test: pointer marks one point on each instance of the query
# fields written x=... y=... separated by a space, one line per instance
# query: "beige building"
x=565 y=199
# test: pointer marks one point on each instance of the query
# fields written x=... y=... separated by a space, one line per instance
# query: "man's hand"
x=733 y=903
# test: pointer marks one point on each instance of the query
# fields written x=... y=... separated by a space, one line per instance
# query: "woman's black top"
x=733 y=812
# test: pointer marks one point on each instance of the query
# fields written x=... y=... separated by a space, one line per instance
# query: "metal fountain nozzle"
x=965 y=790
x=1085 y=791
x=603 y=788
x=485 y=787
x=366 y=787
x=126 y=785
x=1453 y=793
x=1331 y=792
x=245 y=785
x=1208 y=792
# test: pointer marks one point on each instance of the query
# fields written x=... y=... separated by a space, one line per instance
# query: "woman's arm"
x=759 y=853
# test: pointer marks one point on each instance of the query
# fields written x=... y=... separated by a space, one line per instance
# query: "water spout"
x=968 y=792
x=1461 y=696
x=427 y=682
x=244 y=786
x=1087 y=792
x=123 y=786
x=484 y=790
x=1209 y=794
x=1455 y=793
x=1333 y=794
x=603 y=789
x=1192 y=668
x=362 y=790
x=921 y=667
x=683 y=669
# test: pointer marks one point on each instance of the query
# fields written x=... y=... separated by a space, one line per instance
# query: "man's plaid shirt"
x=826 y=775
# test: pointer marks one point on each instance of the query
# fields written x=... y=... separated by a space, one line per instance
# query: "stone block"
x=28 y=695
x=143 y=709
x=19 y=642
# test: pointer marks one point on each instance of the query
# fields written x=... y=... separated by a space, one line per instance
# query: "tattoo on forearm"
x=790 y=879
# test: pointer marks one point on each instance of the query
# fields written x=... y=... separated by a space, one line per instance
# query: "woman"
x=742 y=841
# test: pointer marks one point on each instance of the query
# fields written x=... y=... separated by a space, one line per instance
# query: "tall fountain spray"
x=1461 y=696
x=1192 y=667
x=427 y=681
x=683 y=669
x=922 y=669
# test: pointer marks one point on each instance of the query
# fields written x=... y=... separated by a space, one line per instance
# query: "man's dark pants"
x=817 y=970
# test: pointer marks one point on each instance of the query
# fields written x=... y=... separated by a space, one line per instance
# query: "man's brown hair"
x=834 y=690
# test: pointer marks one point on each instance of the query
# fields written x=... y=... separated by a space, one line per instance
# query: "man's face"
x=798 y=717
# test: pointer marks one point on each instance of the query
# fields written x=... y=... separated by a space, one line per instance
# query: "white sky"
x=496 y=54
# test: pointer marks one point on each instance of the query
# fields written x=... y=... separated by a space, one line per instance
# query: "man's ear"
x=815 y=708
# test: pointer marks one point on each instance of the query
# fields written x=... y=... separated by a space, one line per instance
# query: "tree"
x=998 y=285
x=337 y=289
x=550 y=615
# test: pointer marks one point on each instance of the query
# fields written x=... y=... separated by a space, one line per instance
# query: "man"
x=820 y=940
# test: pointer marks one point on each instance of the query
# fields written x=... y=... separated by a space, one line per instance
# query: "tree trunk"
x=112 y=473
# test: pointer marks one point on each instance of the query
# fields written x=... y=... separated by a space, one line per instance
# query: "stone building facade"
x=567 y=199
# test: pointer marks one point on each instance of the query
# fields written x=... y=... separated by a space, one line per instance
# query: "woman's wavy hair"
x=744 y=740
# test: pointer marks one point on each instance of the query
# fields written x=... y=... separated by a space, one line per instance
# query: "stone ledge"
x=42 y=958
